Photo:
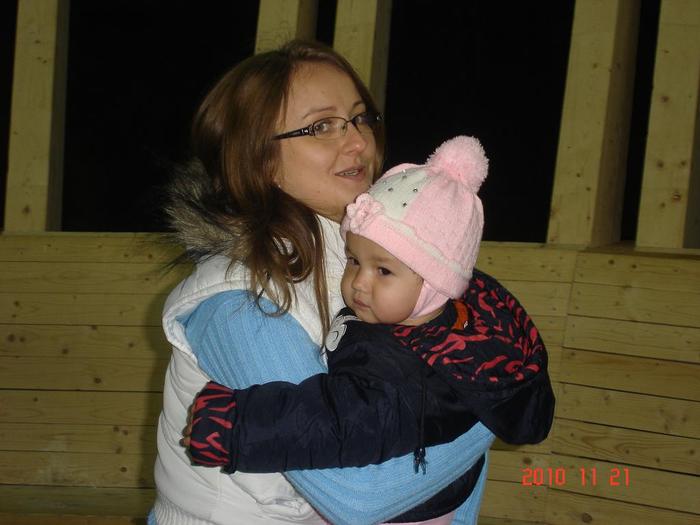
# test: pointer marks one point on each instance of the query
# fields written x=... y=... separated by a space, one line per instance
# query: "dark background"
x=494 y=69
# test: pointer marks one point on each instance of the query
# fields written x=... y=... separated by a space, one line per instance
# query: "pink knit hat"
x=429 y=217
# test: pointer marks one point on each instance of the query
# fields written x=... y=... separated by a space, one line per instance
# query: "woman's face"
x=326 y=175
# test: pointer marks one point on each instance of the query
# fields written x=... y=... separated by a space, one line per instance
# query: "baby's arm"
x=367 y=409
x=238 y=346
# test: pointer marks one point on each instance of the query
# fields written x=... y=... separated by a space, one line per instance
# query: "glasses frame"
x=309 y=130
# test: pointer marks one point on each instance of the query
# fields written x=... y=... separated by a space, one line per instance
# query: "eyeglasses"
x=330 y=128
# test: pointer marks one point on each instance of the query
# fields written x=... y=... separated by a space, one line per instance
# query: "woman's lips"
x=355 y=173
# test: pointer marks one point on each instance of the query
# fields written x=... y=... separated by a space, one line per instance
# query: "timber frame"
x=82 y=356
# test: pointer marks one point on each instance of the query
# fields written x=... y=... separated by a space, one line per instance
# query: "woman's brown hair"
x=277 y=238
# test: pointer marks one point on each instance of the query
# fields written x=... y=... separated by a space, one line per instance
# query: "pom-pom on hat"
x=429 y=217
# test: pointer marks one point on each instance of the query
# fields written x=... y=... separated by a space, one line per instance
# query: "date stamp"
x=581 y=476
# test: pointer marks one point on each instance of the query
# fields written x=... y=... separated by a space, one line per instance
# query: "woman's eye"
x=323 y=126
x=363 y=118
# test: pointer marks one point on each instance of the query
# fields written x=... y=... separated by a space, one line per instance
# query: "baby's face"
x=379 y=287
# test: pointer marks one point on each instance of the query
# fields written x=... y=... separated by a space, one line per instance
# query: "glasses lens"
x=366 y=122
x=328 y=128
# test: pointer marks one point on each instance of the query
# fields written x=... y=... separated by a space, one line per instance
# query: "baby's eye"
x=352 y=261
x=384 y=271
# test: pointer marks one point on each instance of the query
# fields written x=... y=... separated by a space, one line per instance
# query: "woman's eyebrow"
x=318 y=110
x=330 y=108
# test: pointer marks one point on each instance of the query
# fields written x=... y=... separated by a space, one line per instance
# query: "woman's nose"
x=354 y=141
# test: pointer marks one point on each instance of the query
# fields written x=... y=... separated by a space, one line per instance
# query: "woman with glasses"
x=281 y=144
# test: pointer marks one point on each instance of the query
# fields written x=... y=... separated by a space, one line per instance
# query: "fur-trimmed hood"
x=196 y=213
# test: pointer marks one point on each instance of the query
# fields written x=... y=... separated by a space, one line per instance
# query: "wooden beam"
x=591 y=160
x=35 y=165
x=362 y=36
x=669 y=210
x=283 y=20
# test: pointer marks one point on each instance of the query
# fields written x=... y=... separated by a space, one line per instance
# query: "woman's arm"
x=238 y=346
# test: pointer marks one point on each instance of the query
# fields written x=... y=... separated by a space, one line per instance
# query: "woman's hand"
x=187 y=431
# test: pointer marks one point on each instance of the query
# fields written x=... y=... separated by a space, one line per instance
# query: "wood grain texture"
x=84 y=341
x=566 y=508
x=662 y=415
x=91 y=373
x=76 y=470
x=527 y=261
x=631 y=374
x=84 y=438
x=46 y=519
x=656 y=341
x=283 y=20
x=628 y=483
x=513 y=501
x=88 y=247
x=81 y=501
x=81 y=309
x=35 y=156
x=104 y=278
x=669 y=215
x=652 y=271
x=631 y=447
x=592 y=152
x=82 y=408
x=636 y=304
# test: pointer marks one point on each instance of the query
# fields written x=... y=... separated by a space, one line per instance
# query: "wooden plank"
x=669 y=215
x=91 y=408
x=622 y=409
x=631 y=447
x=35 y=155
x=672 y=343
x=80 y=501
x=88 y=247
x=80 y=341
x=87 y=438
x=592 y=155
x=540 y=448
x=45 y=519
x=69 y=277
x=513 y=501
x=551 y=328
x=655 y=272
x=76 y=470
x=618 y=481
x=487 y=520
x=362 y=36
x=554 y=354
x=526 y=261
x=86 y=373
x=636 y=304
x=81 y=309
x=509 y=465
x=565 y=508
x=541 y=298
x=631 y=374
x=283 y=20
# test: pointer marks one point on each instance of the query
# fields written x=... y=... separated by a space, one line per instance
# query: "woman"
x=283 y=142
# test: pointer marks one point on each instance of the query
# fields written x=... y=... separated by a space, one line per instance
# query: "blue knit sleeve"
x=237 y=346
